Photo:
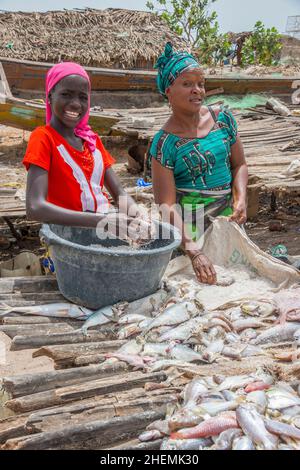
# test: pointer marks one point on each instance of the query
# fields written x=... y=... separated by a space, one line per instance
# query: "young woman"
x=197 y=158
x=67 y=163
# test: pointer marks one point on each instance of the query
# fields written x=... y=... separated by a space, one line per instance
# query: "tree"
x=262 y=47
x=188 y=18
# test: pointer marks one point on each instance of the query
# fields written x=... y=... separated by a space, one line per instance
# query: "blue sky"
x=233 y=15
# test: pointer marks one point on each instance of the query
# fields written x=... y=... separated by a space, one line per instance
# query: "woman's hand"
x=203 y=268
x=239 y=211
x=130 y=229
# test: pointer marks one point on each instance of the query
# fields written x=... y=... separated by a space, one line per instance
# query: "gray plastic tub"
x=97 y=276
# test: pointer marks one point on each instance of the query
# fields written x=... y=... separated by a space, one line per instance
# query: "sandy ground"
x=20 y=362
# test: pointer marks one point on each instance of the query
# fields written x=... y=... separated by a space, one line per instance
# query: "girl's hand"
x=239 y=212
x=204 y=269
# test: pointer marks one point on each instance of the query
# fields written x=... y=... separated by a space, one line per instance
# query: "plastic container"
x=96 y=276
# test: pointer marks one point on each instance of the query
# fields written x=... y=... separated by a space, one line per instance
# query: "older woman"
x=197 y=157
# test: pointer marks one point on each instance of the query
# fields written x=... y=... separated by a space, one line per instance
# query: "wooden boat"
x=27 y=78
x=27 y=115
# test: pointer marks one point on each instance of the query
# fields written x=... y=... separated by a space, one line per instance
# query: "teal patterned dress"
x=201 y=167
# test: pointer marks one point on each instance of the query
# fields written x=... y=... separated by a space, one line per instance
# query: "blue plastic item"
x=142 y=183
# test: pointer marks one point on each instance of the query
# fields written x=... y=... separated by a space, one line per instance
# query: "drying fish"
x=150 y=435
x=129 y=330
x=258 y=399
x=236 y=382
x=287 y=301
x=185 y=444
x=174 y=315
x=208 y=428
x=278 y=334
x=245 y=323
x=225 y=439
x=184 y=353
x=287 y=356
x=253 y=426
x=260 y=309
x=160 y=425
x=243 y=443
x=279 y=399
x=147 y=305
x=100 y=317
x=248 y=334
x=184 y=418
x=255 y=386
x=195 y=390
x=281 y=429
x=156 y=349
x=131 y=347
x=166 y=363
x=59 y=310
x=182 y=332
x=136 y=361
x=131 y=318
x=213 y=408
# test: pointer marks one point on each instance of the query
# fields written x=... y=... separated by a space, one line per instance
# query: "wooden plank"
x=43 y=421
x=109 y=385
x=35 y=330
x=91 y=435
x=28 y=284
x=69 y=338
x=12 y=427
x=20 y=385
x=50 y=398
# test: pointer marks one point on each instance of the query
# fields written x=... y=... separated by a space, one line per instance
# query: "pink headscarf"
x=54 y=75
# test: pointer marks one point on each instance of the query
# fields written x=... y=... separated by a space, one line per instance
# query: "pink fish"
x=209 y=427
x=259 y=385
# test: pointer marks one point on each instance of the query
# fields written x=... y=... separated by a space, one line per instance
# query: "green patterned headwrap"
x=170 y=65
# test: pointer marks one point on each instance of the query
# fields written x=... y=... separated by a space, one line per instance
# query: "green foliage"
x=262 y=47
x=188 y=18
x=193 y=20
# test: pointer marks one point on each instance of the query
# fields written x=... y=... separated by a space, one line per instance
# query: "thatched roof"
x=103 y=38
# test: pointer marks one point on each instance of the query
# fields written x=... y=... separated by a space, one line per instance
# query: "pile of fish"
x=245 y=412
x=172 y=329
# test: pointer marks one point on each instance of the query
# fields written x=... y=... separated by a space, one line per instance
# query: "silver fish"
x=194 y=391
x=59 y=310
x=173 y=315
x=258 y=399
x=279 y=399
x=185 y=444
x=182 y=332
x=277 y=334
x=248 y=334
x=253 y=426
x=225 y=439
x=131 y=318
x=258 y=309
x=281 y=429
x=235 y=382
x=150 y=435
x=160 y=425
x=243 y=443
x=156 y=349
x=100 y=317
x=184 y=353
x=129 y=330
x=213 y=408
x=147 y=305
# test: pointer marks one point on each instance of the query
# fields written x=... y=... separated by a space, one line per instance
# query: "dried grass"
x=101 y=38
